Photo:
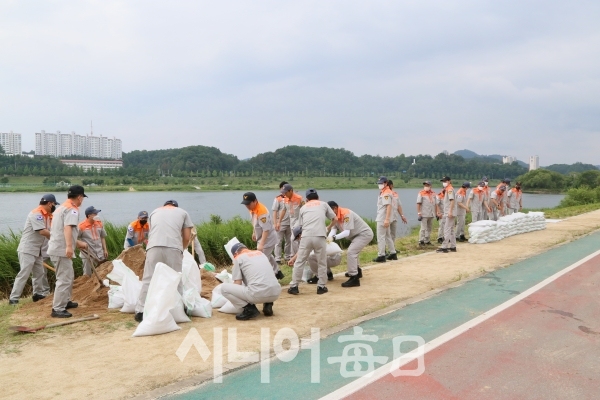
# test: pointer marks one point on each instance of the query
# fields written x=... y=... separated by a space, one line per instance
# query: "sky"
x=374 y=77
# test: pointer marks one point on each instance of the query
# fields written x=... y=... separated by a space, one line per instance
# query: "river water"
x=122 y=207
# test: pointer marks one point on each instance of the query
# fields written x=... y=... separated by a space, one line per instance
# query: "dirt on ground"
x=101 y=356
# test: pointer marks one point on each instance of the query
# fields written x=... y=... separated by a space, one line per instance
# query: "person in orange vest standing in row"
x=426 y=211
x=449 y=215
x=461 y=212
x=137 y=231
x=384 y=218
x=514 y=199
x=91 y=231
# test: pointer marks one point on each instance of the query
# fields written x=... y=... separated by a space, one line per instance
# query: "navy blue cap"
x=310 y=191
x=76 y=190
x=91 y=210
x=171 y=202
x=466 y=184
x=237 y=247
x=49 y=198
x=503 y=188
x=445 y=179
x=286 y=188
x=297 y=231
x=248 y=198
x=427 y=183
x=382 y=179
x=143 y=214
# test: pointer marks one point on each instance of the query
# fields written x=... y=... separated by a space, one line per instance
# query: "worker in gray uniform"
x=398 y=215
x=333 y=260
x=281 y=219
x=477 y=202
x=61 y=249
x=313 y=218
x=384 y=218
x=497 y=203
x=253 y=283
x=461 y=210
x=351 y=226
x=441 y=217
x=426 y=212
x=514 y=199
x=293 y=203
x=31 y=251
x=449 y=208
x=263 y=229
x=170 y=233
x=92 y=232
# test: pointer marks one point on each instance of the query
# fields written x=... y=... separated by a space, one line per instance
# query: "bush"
x=581 y=196
x=589 y=179
x=543 y=179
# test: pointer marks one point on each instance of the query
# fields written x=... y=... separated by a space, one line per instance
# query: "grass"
x=564 y=212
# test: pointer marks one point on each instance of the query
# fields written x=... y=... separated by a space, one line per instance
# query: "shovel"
x=87 y=255
x=25 y=329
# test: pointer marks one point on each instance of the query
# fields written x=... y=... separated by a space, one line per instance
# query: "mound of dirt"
x=208 y=283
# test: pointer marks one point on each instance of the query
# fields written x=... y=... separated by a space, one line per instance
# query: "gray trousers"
x=495 y=214
x=449 y=233
x=166 y=255
x=393 y=230
x=476 y=215
x=332 y=261
x=268 y=251
x=441 y=228
x=384 y=237
x=64 y=282
x=510 y=211
x=317 y=244
x=30 y=265
x=358 y=243
x=426 y=227
x=460 y=225
x=240 y=296
x=284 y=234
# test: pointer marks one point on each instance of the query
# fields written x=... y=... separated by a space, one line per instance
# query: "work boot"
x=71 y=304
x=268 y=309
x=379 y=259
x=330 y=276
x=279 y=275
x=250 y=311
x=428 y=244
x=139 y=316
x=421 y=243
x=463 y=238
x=60 y=314
x=441 y=250
x=392 y=256
x=440 y=240
x=13 y=302
x=293 y=290
x=322 y=289
x=453 y=249
x=37 y=297
x=313 y=280
x=347 y=274
x=353 y=281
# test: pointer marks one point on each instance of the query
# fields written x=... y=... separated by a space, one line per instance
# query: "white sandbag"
x=131 y=288
x=202 y=308
x=162 y=297
x=178 y=312
x=306 y=273
x=118 y=271
x=115 y=297
x=229 y=245
x=217 y=299
x=333 y=248
x=192 y=286
x=229 y=308
x=224 y=277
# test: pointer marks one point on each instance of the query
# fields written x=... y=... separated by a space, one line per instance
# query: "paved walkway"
x=435 y=317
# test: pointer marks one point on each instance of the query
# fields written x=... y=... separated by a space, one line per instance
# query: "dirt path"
x=101 y=359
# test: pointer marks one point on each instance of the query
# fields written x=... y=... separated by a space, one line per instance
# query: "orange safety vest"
x=86 y=225
x=140 y=230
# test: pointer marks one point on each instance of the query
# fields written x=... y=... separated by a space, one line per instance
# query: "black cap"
x=427 y=183
x=249 y=197
x=297 y=231
x=382 y=179
x=445 y=179
x=237 y=247
x=76 y=190
x=503 y=188
x=143 y=214
x=286 y=188
x=484 y=179
x=506 y=180
x=171 y=202
x=466 y=184
x=91 y=210
x=49 y=198
x=311 y=191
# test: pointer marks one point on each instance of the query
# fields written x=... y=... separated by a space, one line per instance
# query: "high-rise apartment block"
x=534 y=163
x=66 y=145
x=11 y=143
x=508 y=159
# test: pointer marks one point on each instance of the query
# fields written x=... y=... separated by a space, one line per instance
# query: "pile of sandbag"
x=125 y=294
x=509 y=225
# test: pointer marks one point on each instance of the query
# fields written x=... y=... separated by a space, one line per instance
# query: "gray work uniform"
x=199 y=250
x=427 y=200
x=332 y=261
x=92 y=234
x=284 y=234
x=394 y=224
x=496 y=210
x=513 y=200
x=449 y=206
x=165 y=244
x=442 y=221
x=261 y=221
x=31 y=255
x=312 y=219
x=461 y=213
x=486 y=190
x=360 y=236
x=476 y=204
x=137 y=232
x=384 y=235
x=260 y=285
x=67 y=214
x=292 y=209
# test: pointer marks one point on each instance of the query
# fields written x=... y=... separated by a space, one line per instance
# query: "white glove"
x=329 y=239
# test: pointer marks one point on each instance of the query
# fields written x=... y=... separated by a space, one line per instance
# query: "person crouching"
x=253 y=269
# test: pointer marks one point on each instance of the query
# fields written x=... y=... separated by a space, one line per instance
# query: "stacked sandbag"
x=509 y=225
x=126 y=295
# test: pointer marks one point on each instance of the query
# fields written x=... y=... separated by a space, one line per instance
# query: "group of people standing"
x=450 y=208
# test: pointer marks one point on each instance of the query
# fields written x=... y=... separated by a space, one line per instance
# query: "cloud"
x=517 y=78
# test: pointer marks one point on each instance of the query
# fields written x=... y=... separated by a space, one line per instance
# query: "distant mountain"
x=468 y=154
x=567 y=169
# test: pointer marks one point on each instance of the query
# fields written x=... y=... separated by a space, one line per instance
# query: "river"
x=122 y=207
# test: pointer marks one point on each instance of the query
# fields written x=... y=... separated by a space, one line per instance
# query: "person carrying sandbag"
x=253 y=283
x=170 y=233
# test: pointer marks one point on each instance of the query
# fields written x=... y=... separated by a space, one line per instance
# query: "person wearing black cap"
x=477 y=202
x=312 y=268
x=514 y=199
x=170 y=233
x=61 y=249
x=263 y=230
x=449 y=208
x=426 y=211
x=506 y=183
x=281 y=219
x=487 y=210
x=137 y=231
x=313 y=218
x=30 y=251
x=397 y=213
x=293 y=203
x=92 y=232
x=497 y=203
x=383 y=219
x=253 y=283
x=461 y=211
